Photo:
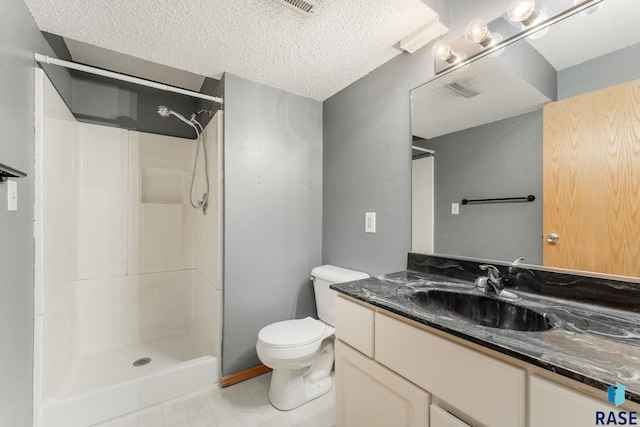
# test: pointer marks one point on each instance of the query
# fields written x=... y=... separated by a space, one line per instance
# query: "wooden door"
x=592 y=181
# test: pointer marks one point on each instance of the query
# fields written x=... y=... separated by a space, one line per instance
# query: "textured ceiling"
x=314 y=56
x=574 y=41
x=502 y=94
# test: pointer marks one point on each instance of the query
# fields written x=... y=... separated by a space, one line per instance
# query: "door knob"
x=553 y=238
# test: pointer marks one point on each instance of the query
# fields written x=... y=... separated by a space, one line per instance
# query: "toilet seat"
x=292 y=333
x=301 y=352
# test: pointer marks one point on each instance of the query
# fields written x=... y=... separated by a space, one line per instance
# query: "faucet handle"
x=492 y=272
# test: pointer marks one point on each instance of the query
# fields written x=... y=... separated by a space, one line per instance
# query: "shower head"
x=164 y=111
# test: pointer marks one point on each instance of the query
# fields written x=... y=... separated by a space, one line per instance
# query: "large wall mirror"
x=556 y=117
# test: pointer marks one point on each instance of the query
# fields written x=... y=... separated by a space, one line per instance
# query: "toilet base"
x=291 y=388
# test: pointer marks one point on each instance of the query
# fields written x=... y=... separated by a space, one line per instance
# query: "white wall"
x=422 y=205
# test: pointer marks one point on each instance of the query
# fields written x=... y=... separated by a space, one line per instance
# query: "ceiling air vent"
x=461 y=90
x=304 y=7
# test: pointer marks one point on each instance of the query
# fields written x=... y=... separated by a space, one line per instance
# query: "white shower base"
x=105 y=385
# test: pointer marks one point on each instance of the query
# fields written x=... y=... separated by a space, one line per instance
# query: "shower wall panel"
x=102 y=201
x=163 y=228
x=58 y=205
x=208 y=238
x=56 y=242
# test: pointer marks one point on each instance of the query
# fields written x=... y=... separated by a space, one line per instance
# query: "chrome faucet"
x=491 y=284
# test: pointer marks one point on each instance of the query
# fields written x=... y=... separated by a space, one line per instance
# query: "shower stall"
x=128 y=273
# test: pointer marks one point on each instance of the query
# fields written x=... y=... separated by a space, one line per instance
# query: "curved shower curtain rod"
x=123 y=77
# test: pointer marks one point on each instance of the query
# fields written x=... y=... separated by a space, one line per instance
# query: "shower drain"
x=141 y=362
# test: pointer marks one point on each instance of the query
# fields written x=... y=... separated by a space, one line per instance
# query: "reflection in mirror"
x=537 y=120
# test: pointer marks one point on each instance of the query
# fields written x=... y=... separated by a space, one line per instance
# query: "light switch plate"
x=370 y=222
x=455 y=208
x=12 y=195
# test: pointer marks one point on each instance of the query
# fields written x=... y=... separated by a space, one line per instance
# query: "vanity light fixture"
x=525 y=13
x=444 y=52
x=477 y=31
x=529 y=20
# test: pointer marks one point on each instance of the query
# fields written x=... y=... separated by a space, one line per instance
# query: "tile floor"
x=241 y=405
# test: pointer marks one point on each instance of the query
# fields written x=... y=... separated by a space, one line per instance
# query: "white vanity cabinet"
x=386 y=371
x=391 y=372
x=367 y=393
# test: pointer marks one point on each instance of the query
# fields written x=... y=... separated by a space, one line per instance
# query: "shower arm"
x=189 y=122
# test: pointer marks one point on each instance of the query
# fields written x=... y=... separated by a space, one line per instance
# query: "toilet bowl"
x=301 y=354
x=301 y=351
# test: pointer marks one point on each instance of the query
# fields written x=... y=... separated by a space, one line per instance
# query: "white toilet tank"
x=324 y=276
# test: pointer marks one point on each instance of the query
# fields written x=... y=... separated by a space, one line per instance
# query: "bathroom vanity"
x=401 y=362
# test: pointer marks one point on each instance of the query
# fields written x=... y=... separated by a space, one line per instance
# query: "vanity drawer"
x=354 y=325
x=441 y=418
x=480 y=387
x=555 y=404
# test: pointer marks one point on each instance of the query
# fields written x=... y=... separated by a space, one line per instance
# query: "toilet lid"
x=292 y=333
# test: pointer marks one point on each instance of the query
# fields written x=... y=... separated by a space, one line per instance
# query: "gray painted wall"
x=272 y=212
x=367 y=156
x=527 y=63
x=499 y=159
x=367 y=168
x=19 y=38
x=614 y=68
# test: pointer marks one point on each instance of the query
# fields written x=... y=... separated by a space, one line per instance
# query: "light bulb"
x=523 y=11
x=478 y=32
x=444 y=52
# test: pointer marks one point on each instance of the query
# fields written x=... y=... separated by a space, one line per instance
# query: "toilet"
x=300 y=351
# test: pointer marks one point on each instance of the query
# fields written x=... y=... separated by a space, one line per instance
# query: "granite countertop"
x=595 y=345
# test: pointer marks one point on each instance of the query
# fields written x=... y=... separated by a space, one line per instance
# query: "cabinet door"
x=552 y=404
x=368 y=394
x=442 y=418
